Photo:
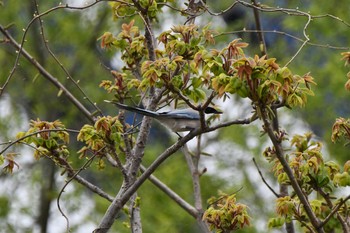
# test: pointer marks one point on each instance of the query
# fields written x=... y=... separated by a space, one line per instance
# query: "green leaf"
x=20 y=135
x=196 y=82
x=243 y=91
x=276 y=222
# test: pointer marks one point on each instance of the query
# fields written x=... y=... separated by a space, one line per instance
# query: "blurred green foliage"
x=73 y=37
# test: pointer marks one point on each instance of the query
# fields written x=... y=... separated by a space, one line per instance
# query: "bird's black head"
x=210 y=110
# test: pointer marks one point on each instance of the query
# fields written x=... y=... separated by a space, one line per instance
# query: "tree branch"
x=286 y=35
x=36 y=17
x=334 y=211
x=46 y=43
x=47 y=75
x=75 y=175
x=11 y=143
x=275 y=122
x=134 y=160
x=193 y=162
x=135 y=216
x=280 y=155
x=72 y=173
x=259 y=30
x=122 y=197
x=173 y=195
x=263 y=179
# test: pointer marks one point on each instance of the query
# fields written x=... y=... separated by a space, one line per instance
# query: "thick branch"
x=120 y=200
x=280 y=155
x=135 y=216
x=134 y=161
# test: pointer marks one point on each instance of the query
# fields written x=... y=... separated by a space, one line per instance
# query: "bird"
x=178 y=120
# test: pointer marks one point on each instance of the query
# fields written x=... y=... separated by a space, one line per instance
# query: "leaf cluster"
x=313 y=174
x=49 y=138
x=105 y=136
x=225 y=214
x=189 y=71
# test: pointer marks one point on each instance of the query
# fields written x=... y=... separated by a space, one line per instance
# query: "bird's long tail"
x=136 y=110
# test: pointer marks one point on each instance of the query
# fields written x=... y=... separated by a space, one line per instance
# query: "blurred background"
x=28 y=196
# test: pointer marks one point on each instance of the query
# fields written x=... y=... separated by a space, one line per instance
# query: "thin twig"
x=334 y=210
x=34 y=133
x=284 y=34
x=116 y=162
x=221 y=12
x=87 y=163
x=263 y=179
x=20 y=46
x=46 y=43
x=300 y=48
x=260 y=31
x=64 y=164
x=47 y=75
x=224 y=196
x=193 y=162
